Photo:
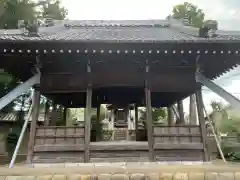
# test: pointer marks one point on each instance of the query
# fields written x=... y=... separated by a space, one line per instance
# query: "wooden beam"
x=201 y=118
x=36 y=102
x=149 y=123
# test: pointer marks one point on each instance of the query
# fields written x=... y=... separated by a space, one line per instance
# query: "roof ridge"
x=116 y=23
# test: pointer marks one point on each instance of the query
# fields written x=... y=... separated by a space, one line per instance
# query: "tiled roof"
x=136 y=30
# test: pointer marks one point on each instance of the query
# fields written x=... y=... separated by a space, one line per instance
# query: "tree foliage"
x=53 y=9
x=15 y=10
x=158 y=115
x=225 y=123
x=194 y=15
x=7 y=83
x=187 y=10
x=211 y=24
x=11 y=11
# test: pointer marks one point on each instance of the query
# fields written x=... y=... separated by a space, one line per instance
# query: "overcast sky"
x=226 y=12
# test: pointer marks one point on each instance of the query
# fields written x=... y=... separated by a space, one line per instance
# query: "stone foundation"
x=127 y=172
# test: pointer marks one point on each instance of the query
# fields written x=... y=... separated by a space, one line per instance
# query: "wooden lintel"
x=36 y=102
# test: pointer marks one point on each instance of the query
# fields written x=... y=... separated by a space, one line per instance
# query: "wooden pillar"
x=192 y=110
x=149 y=119
x=181 y=114
x=53 y=115
x=170 y=116
x=136 y=122
x=35 y=113
x=202 y=122
x=98 y=124
x=126 y=119
x=46 y=114
x=87 y=123
x=87 y=115
x=149 y=123
x=65 y=116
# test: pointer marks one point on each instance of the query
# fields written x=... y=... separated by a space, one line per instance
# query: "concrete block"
x=166 y=176
x=211 y=176
x=59 y=177
x=47 y=177
x=226 y=176
x=120 y=177
x=180 y=176
x=104 y=177
x=237 y=175
x=74 y=177
x=138 y=176
x=152 y=176
x=196 y=176
x=86 y=177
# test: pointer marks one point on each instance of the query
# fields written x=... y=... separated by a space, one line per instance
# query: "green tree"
x=211 y=24
x=218 y=116
x=53 y=9
x=187 y=10
x=15 y=10
x=158 y=115
x=7 y=83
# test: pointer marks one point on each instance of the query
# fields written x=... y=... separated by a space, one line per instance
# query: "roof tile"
x=148 y=30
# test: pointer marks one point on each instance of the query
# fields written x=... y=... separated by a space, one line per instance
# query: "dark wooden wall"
x=60 y=83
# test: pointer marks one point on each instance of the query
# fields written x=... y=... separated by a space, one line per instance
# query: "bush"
x=11 y=141
x=231 y=151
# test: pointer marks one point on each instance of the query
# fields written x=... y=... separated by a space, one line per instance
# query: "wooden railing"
x=59 y=144
x=178 y=143
x=176 y=134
